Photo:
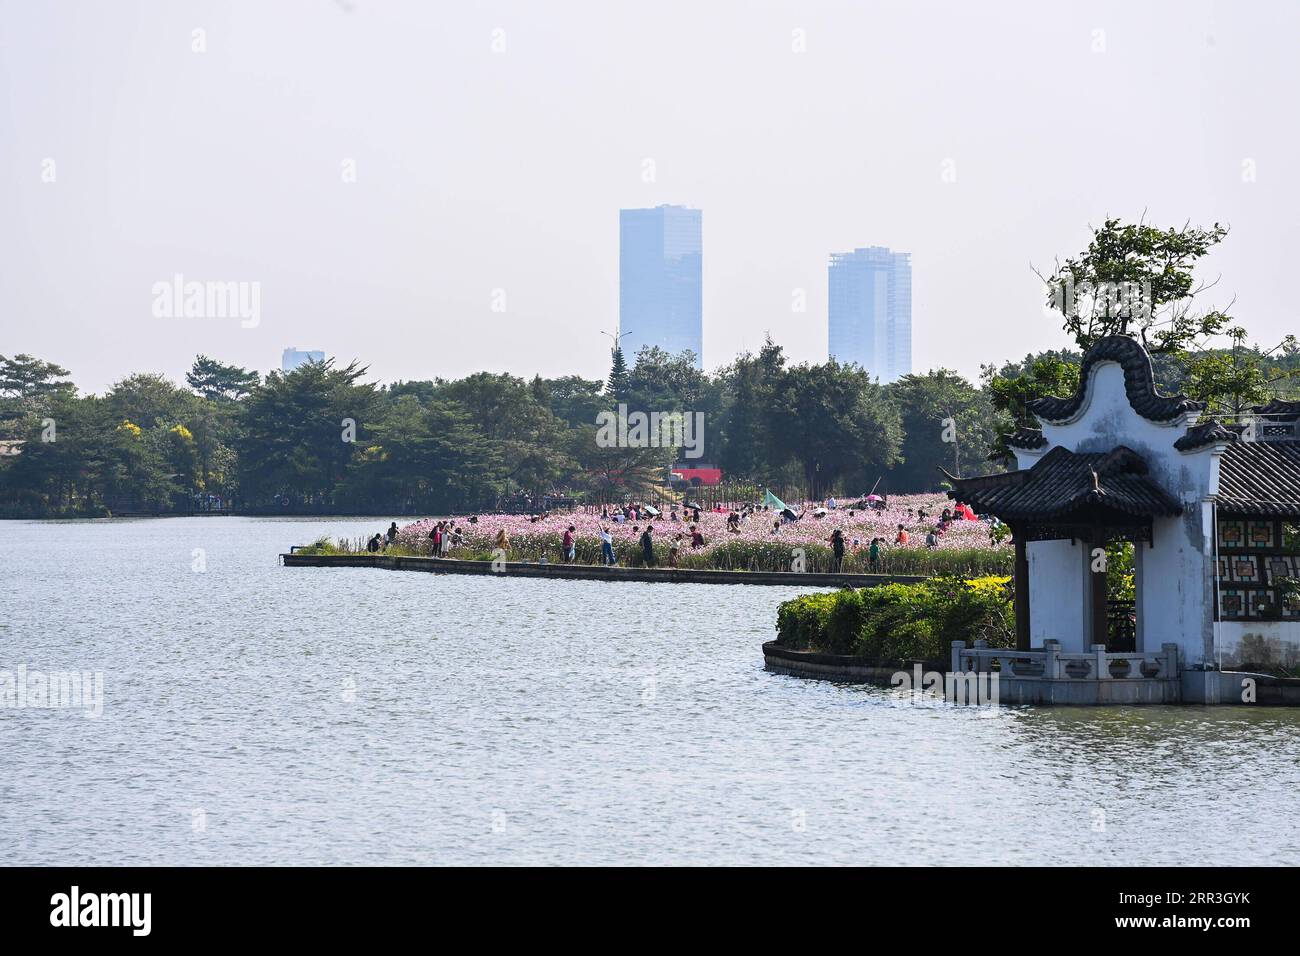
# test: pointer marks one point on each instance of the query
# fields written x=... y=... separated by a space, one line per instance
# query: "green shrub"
x=799 y=622
x=901 y=621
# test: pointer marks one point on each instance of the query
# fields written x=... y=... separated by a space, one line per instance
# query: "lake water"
x=259 y=714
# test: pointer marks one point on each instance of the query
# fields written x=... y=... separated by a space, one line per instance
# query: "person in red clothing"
x=697 y=539
x=902 y=537
x=570 y=552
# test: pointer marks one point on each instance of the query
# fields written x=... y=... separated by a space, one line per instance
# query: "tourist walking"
x=837 y=549
x=648 y=547
x=568 y=546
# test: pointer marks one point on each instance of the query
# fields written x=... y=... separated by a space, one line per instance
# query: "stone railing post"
x=957 y=648
x=1051 y=660
x=1170 y=664
x=1102 y=666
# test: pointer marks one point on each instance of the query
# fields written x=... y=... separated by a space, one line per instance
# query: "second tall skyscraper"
x=660 y=272
x=871 y=310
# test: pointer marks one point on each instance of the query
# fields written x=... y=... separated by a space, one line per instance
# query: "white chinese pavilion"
x=1212 y=512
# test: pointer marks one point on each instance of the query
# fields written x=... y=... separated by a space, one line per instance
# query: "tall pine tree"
x=617 y=386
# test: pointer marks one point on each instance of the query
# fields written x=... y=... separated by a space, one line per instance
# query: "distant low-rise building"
x=294 y=358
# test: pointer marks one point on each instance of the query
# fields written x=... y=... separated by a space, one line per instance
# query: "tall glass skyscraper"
x=871 y=310
x=660 y=280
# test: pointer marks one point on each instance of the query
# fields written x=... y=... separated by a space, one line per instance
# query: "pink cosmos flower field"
x=753 y=546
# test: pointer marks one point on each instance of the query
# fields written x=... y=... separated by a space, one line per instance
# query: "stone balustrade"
x=1049 y=663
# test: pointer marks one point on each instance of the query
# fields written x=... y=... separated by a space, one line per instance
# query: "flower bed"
x=965 y=549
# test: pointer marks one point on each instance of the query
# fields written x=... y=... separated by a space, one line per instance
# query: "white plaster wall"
x=1176 y=605
x=1259 y=642
x=1058 y=598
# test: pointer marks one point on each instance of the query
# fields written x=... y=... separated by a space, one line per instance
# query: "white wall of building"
x=1259 y=642
x=1058 y=594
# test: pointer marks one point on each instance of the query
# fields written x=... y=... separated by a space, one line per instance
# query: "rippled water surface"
x=259 y=714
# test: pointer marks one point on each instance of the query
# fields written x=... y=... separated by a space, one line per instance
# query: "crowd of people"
x=682 y=530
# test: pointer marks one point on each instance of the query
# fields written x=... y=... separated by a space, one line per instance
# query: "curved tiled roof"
x=1026 y=438
x=1260 y=478
x=1280 y=408
x=1139 y=385
x=1065 y=484
x=1207 y=433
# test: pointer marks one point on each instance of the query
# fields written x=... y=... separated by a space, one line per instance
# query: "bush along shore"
x=900 y=622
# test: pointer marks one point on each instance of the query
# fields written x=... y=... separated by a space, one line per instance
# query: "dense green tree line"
x=323 y=439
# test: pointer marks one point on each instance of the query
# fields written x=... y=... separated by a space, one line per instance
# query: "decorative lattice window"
x=1260 y=534
x=1258 y=569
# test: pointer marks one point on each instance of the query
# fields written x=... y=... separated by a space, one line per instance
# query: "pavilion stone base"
x=1032 y=690
x=1240 y=687
x=1050 y=676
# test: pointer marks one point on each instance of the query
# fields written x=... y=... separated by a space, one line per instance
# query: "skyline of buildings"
x=869 y=310
x=661 y=258
x=660 y=280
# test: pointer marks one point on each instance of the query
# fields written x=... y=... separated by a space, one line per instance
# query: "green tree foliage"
x=617 y=384
x=1137 y=280
x=294 y=446
x=836 y=423
x=947 y=423
x=424 y=457
x=1012 y=387
x=747 y=386
x=574 y=400
x=1231 y=380
x=662 y=382
x=217 y=381
x=27 y=387
x=527 y=438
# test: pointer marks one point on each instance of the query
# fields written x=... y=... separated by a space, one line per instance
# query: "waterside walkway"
x=587 y=572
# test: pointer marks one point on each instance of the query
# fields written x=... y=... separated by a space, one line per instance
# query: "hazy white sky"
x=481 y=169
